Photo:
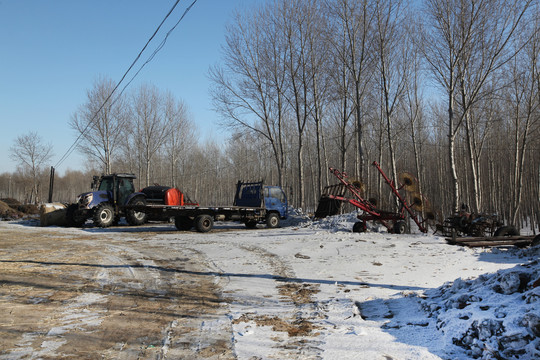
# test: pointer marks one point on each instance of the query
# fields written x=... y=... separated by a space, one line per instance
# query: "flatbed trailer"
x=254 y=203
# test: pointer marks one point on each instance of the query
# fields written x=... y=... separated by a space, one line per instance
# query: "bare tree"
x=393 y=52
x=465 y=43
x=523 y=98
x=31 y=154
x=181 y=135
x=354 y=49
x=248 y=89
x=100 y=123
x=151 y=128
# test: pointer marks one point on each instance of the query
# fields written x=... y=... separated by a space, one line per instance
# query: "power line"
x=160 y=46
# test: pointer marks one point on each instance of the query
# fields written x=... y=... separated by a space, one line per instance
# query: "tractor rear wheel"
x=104 y=215
x=133 y=217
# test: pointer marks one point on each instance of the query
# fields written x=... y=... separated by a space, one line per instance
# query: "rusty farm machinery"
x=416 y=207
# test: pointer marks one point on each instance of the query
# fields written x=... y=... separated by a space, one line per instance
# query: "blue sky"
x=52 y=51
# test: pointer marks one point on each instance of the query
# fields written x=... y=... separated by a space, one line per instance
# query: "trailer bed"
x=177 y=210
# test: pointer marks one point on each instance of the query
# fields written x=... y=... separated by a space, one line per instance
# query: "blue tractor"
x=106 y=203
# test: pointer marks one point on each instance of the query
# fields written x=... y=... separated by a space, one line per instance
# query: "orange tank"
x=174 y=197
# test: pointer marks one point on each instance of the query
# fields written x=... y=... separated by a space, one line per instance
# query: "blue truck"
x=254 y=203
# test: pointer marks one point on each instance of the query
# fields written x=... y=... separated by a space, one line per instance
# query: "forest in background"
x=448 y=91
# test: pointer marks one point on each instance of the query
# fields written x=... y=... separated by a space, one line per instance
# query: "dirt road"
x=69 y=296
x=120 y=293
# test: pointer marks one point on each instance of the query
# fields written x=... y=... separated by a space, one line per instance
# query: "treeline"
x=446 y=90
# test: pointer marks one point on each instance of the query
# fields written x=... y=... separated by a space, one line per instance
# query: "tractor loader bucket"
x=53 y=214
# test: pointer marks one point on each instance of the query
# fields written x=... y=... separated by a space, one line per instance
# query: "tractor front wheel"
x=104 y=215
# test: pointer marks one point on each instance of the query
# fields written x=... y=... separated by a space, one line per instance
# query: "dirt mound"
x=11 y=202
x=7 y=212
x=22 y=209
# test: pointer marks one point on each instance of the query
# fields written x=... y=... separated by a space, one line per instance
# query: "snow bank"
x=495 y=316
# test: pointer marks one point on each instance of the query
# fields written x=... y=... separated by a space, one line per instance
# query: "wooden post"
x=51 y=184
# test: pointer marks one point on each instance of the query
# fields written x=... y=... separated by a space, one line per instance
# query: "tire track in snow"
x=266 y=309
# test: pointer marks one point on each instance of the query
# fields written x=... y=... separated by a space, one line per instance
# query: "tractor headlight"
x=84 y=200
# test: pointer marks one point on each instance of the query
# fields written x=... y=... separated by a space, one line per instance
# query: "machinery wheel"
x=251 y=224
x=506 y=231
x=359 y=226
x=104 y=215
x=400 y=227
x=133 y=217
x=183 y=223
x=73 y=218
x=272 y=220
x=204 y=223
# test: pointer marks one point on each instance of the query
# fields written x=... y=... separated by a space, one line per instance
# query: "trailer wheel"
x=104 y=215
x=204 y=223
x=400 y=227
x=506 y=231
x=183 y=223
x=272 y=220
x=359 y=227
x=133 y=217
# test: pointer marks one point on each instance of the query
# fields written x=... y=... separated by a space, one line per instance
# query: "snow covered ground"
x=376 y=295
x=315 y=290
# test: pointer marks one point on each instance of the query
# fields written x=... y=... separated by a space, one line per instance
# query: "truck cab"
x=270 y=202
x=275 y=200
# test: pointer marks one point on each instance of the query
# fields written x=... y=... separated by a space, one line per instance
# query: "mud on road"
x=122 y=294
x=69 y=296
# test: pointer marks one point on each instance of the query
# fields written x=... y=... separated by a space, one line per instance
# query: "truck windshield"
x=274 y=192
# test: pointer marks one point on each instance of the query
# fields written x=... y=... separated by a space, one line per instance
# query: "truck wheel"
x=506 y=231
x=251 y=224
x=272 y=220
x=183 y=223
x=133 y=217
x=204 y=223
x=104 y=215
x=74 y=219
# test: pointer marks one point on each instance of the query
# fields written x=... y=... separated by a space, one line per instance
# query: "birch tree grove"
x=383 y=56
x=448 y=90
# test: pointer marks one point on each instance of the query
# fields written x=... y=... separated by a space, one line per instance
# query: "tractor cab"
x=118 y=187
